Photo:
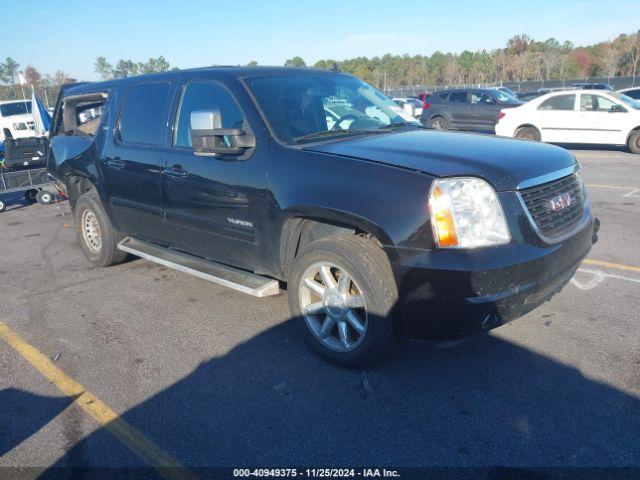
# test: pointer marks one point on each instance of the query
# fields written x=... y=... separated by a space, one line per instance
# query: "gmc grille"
x=541 y=199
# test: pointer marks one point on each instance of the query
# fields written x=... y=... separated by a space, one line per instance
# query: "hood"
x=502 y=162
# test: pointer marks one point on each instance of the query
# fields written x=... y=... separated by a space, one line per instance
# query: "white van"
x=17 y=117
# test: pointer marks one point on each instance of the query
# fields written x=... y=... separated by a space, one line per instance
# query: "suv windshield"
x=15 y=108
x=633 y=103
x=308 y=107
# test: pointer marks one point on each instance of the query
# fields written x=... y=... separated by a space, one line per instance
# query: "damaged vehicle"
x=380 y=229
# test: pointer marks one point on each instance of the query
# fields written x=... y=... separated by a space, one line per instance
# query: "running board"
x=245 y=282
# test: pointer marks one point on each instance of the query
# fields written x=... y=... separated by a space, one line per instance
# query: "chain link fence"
x=527 y=86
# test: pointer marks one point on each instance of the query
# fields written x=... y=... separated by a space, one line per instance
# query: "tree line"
x=46 y=86
x=14 y=83
x=521 y=59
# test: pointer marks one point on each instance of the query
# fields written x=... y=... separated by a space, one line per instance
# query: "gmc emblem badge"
x=561 y=202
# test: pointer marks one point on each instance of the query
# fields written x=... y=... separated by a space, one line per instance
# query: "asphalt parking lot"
x=138 y=364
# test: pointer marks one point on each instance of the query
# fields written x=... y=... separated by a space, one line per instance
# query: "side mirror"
x=208 y=138
x=615 y=108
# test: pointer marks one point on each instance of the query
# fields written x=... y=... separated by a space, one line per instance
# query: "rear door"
x=558 y=118
x=131 y=160
x=214 y=206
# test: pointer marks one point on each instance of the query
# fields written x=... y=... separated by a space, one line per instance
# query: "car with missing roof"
x=379 y=228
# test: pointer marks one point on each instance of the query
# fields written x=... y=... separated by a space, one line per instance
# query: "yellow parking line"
x=144 y=448
x=616 y=266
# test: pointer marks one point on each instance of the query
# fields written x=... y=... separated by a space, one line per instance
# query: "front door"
x=214 y=206
x=460 y=110
x=597 y=121
x=485 y=111
x=131 y=161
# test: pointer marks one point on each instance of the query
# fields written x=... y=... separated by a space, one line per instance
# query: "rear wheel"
x=634 y=142
x=98 y=238
x=343 y=292
x=31 y=195
x=3 y=206
x=439 y=123
x=528 y=133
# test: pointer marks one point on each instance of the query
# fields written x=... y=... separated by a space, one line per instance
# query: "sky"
x=68 y=35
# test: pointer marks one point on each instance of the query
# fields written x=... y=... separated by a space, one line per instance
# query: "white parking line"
x=598 y=277
x=632 y=193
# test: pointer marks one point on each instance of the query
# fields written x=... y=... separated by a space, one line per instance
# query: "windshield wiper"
x=339 y=131
x=402 y=124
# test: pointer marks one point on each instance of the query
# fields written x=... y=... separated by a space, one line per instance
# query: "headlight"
x=20 y=126
x=466 y=213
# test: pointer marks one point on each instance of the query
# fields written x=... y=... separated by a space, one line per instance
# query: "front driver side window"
x=205 y=95
x=595 y=103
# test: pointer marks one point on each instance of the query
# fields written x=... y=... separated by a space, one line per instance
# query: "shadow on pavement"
x=482 y=402
x=23 y=413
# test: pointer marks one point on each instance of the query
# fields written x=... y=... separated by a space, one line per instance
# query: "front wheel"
x=634 y=142
x=44 y=198
x=343 y=292
x=3 y=206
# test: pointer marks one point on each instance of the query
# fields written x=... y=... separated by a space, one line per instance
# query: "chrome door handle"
x=176 y=171
x=116 y=163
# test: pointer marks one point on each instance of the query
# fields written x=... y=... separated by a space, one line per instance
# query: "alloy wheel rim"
x=91 y=231
x=333 y=307
x=526 y=136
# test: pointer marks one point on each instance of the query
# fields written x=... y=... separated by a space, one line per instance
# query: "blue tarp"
x=41 y=118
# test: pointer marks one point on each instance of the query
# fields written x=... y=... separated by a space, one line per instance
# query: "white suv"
x=17 y=117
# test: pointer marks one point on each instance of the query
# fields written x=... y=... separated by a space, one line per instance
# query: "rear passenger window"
x=205 y=95
x=559 y=102
x=460 y=97
x=142 y=118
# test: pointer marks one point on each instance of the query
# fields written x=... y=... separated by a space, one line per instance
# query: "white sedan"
x=575 y=116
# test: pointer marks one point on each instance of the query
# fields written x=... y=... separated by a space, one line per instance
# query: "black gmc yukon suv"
x=249 y=177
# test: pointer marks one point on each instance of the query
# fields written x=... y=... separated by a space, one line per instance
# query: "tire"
x=439 y=123
x=633 y=143
x=3 y=206
x=97 y=236
x=527 y=133
x=30 y=195
x=45 y=198
x=370 y=288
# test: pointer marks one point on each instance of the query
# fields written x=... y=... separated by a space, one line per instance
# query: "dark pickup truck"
x=257 y=177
